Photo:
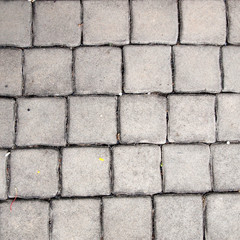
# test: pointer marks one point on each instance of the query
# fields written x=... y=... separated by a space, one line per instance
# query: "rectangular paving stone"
x=127 y=218
x=48 y=71
x=143 y=119
x=10 y=72
x=203 y=22
x=76 y=219
x=98 y=70
x=197 y=69
x=223 y=212
x=105 y=22
x=231 y=61
x=154 y=21
x=186 y=168
x=15 y=19
x=34 y=173
x=233 y=21
x=228 y=116
x=93 y=120
x=3 y=173
x=83 y=173
x=137 y=169
x=191 y=118
x=178 y=217
x=147 y=69
x=226 y=167
x=27 y=220
x=57 y=23
x=41 y=121
x=7 y=122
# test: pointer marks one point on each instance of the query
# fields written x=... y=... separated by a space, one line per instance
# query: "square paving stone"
x=191 y=118
x=48 y=71
x=197 y=69
x=41 y=121
x=105 y=22
x=226 y=167
x=154 y=21
x=234 y=21
x=27 y=220
x=228 y=117
x=10 y=72
x=57 y=23
x=76 y=219
x=147 y=69
x=7 y=122
x=93 y=120
x=98 y=70
x=127 y=218
x=203 y=22
x=178 y=217
x=223 y=211
x=231 y=62
x=34 y=173
x=186 y=168
x=83 y=173
x=15 y=27
x=137 y=169
x=3 y=173
x=143 y=119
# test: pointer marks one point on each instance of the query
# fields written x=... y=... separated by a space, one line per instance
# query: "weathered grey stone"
x=127 y=218
x=191 y=118
x=41 y=121
x=7 y=122
x=147 y=69
x=48 y=71
x=98 y=70
x=93 y=120
x=223 y=212
x=186 y=168
x=137 y=169
x=34 y=173
x=3 y=177
x=226 y=167
x=15 y=27
x=228 y=116
x=143 y=118
x=10 y=72
x=155 y=21
x=231 y=62
x=57 y=23
x=106 y=22
x=197 y=69
x=234 y=21
x=178 y=217
x=203 y=22
x=83 y=173
x=76 y=219
x=27 y=220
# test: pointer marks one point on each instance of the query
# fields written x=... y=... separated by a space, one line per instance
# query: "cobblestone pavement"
x=120 y=120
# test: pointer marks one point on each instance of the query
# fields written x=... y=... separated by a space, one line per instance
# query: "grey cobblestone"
x=3 y=177
x=234 y=20
x=7 y=122
x=76 y=219
x=10 y=72
x=34 y=173
x=179 y=217
x=147 y=69
x=127 y=218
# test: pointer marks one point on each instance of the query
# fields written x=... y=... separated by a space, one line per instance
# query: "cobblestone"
x=234 y=20
x=3 y=177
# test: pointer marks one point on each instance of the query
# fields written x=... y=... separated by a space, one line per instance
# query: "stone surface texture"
x=3 y=174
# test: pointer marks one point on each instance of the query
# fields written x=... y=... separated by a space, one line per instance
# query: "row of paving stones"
x=117 y=22
x=99 y=70
x=216 y=217
x=141 y=169
x=139 y=119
